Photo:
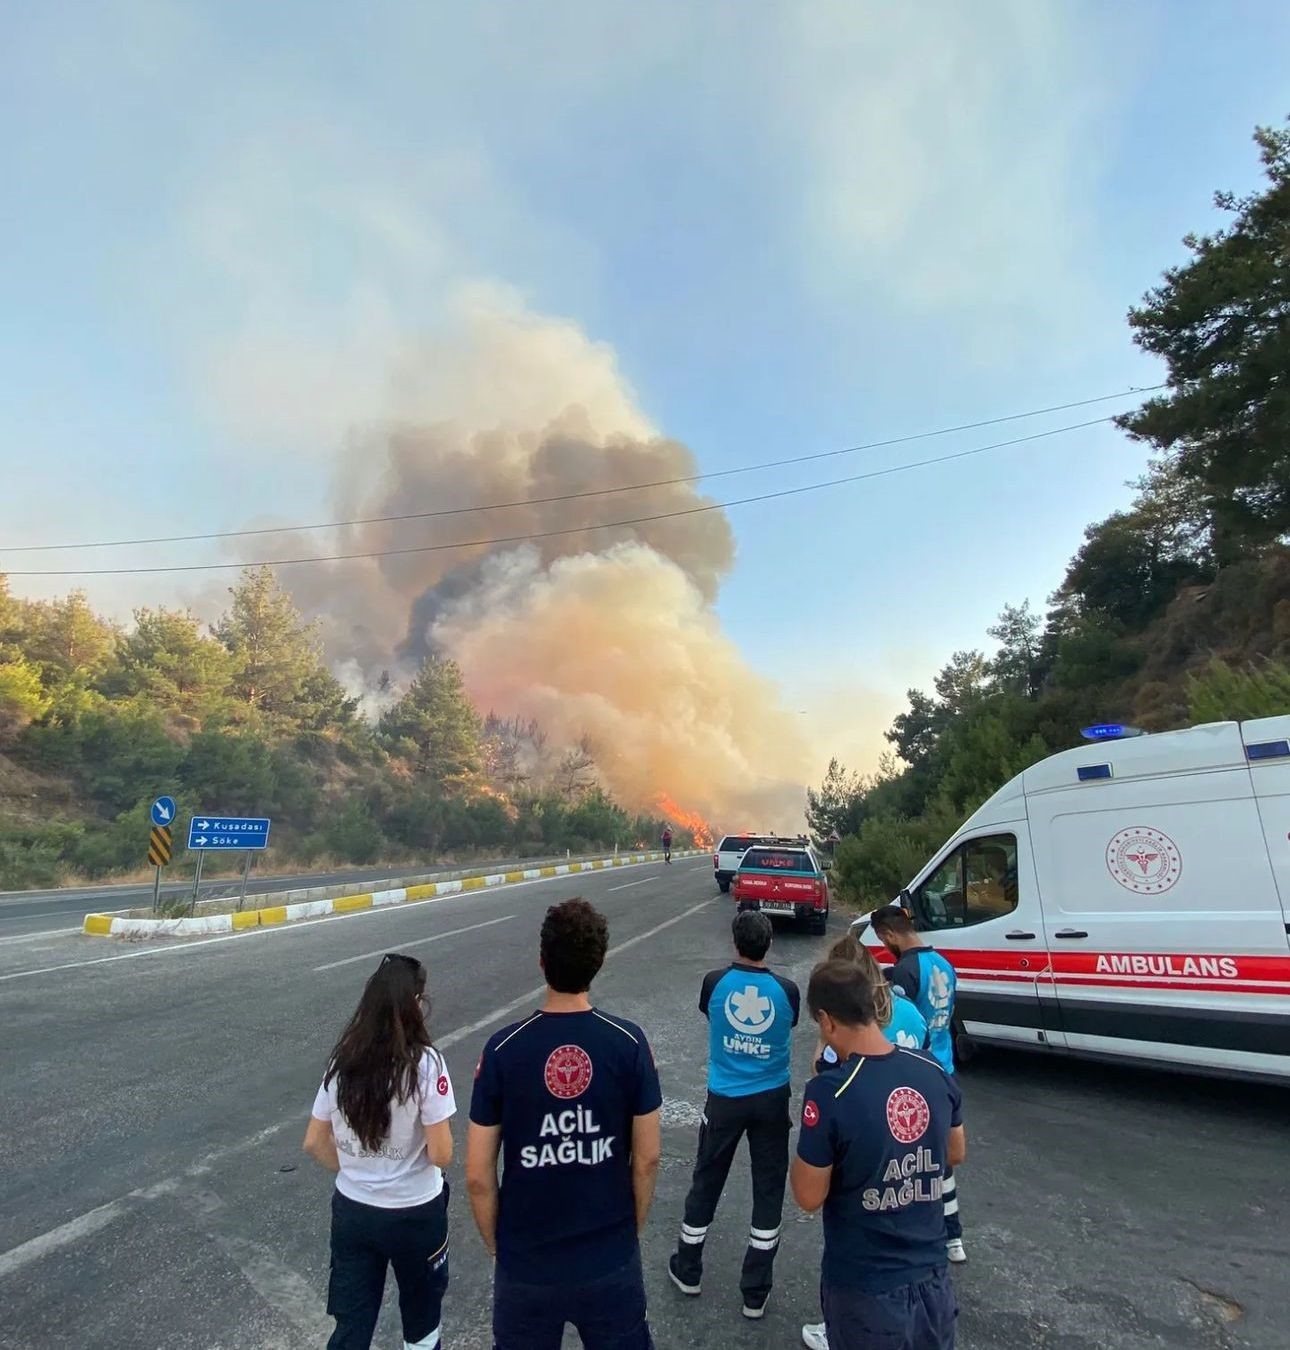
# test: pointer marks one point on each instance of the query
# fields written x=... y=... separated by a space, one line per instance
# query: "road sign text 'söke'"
x=228 y=832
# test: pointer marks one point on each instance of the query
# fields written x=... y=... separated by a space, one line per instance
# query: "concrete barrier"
x=305 y=904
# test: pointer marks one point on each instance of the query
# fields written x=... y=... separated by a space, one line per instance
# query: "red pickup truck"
x=784 y=882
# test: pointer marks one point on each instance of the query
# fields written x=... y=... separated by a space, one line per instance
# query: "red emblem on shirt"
x=810 y=1114
x=908 y=1115
x=442 y=1085
x=568 y=1072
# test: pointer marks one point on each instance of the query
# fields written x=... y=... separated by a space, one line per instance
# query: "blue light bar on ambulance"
x=1090 y=773
x=1268 y=750
x=1110 y=731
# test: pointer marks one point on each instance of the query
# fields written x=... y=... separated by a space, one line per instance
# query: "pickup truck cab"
x=729 y=854
x=784 y=880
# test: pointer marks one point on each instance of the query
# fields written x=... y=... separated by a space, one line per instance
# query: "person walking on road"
x=380 y=1122
x=879 y=1132
x=570 y=1099
x=751 y=1012
x=929 y=980
x=667 y=843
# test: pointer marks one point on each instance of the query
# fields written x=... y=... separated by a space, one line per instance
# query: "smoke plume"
x=605 y=633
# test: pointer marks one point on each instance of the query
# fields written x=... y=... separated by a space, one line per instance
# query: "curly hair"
x=575 y=937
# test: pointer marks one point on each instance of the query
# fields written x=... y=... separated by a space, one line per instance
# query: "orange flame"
x=686 y=820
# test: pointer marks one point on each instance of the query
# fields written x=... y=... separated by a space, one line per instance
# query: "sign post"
x=210 y=831
x=160 y=846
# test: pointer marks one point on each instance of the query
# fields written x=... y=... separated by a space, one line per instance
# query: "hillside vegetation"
x=245 y=718
x=1172 y=612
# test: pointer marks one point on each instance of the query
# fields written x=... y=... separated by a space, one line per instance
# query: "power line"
x=577 y=529
x=571 y=496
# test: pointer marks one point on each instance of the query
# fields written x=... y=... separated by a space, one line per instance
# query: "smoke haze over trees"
x=1172 y=612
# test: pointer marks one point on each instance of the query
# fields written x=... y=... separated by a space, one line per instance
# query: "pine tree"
x=434 y=727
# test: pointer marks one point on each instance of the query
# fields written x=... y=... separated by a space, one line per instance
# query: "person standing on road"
x=751 y=1012
x=929 y=980
x=570 y=1099
x=380 y=1122
x=667 y=843
x=879 y=1132
x=902 y=1025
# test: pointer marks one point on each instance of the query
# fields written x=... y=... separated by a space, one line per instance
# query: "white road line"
x=95 y=1219
x=92 y=1221
x=644 y=881
x=302 y=923
x=416 y=942
x=36 y=937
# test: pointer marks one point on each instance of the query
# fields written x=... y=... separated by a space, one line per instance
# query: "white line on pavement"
x=95 y=1219
x=416 y=942
x=293 y=927
x=36 y=937
x=644 y=881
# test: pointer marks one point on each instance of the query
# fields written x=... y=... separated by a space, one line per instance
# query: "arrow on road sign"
x=200 y=841
x=202 y=824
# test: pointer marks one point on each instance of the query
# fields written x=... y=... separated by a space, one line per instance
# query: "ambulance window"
x=976 y=883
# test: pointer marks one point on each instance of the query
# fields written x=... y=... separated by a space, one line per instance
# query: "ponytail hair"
x=850 y=948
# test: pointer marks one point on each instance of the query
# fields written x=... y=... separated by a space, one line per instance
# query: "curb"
x=110 y=925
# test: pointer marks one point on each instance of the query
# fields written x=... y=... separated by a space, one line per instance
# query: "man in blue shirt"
x=751 y=1014
x=570 y=1098
x=879 y=1132
x=929 y=980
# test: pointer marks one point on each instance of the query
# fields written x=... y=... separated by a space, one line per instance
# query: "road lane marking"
x=100 y=1217
x=35 y=937
x=416 y=942
x=248 y=933
x=524 y=999
x=644 y=881
x=94 y=1220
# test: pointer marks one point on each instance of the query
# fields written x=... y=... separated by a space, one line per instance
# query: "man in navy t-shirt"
x=570 y=1099
x=879 y=1133
x=751 y=1012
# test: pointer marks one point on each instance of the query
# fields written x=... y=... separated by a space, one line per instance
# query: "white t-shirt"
x=399 y=1174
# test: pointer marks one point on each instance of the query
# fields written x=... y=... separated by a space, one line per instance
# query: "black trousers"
x=763 y=1117
x=364 y=1241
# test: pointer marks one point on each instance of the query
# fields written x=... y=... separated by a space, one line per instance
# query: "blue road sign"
x=216 y=832
x=163 y=811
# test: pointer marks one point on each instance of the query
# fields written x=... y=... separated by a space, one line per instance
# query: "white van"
x=1129 y=899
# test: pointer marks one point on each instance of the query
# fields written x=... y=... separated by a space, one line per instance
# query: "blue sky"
x=790 y=228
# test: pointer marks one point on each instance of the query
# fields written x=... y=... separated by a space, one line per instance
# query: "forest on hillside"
x=245 y=718
x=1173 y=611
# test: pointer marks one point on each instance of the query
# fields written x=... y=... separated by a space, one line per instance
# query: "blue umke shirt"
x=929 y=980
x=751 y=1014
x=907 y=1028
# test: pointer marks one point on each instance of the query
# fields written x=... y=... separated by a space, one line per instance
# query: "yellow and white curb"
x=114 y=925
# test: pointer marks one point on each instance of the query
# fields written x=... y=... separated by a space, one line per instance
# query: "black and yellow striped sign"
x=159 y=846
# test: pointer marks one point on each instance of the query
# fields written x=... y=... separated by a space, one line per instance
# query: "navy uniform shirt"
x=751 y=1014
x=565 y=1088
x=882 y=1124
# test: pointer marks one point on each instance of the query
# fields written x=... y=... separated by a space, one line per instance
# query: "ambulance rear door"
x=978 y=904
x=1165 y=929
x=1267 y=750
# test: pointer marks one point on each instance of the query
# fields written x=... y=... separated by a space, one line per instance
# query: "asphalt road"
x=63 y=909
x=154 y=1195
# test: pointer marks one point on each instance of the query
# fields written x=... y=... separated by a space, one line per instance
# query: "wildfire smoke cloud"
x=609 y=634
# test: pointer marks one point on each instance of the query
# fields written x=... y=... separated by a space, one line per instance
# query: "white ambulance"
x=1127 y=899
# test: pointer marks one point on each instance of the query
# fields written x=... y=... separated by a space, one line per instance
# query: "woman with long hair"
x=380 y=1122
x=901 y=1022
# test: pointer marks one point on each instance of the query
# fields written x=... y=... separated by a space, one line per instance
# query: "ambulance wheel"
x=724 y=887
x=965 y=1048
